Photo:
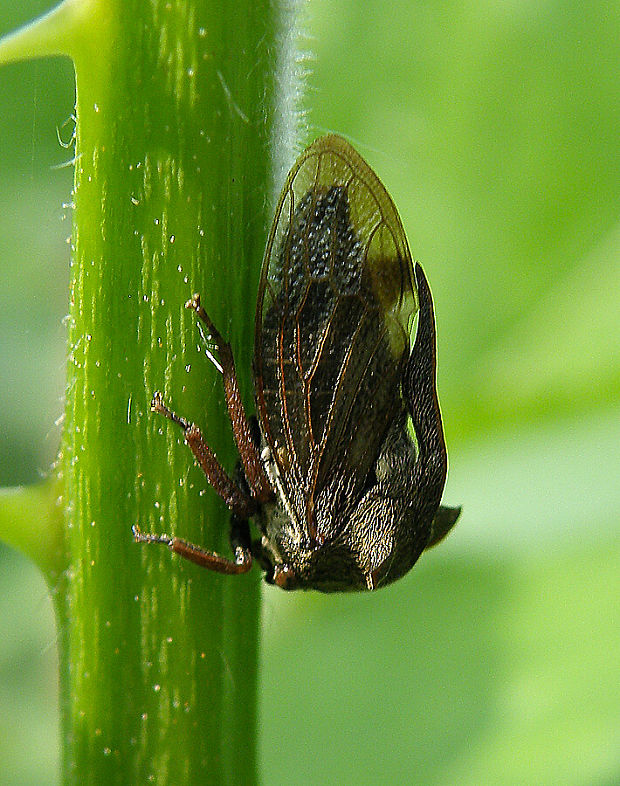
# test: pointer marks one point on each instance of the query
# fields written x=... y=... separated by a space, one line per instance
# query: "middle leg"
x=238 y=500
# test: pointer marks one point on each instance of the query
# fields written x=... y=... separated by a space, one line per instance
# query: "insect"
x=342 y=493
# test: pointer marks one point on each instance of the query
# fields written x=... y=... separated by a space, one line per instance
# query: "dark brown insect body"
x=343 y=496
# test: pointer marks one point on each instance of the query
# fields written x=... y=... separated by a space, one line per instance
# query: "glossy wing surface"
x=335 y=305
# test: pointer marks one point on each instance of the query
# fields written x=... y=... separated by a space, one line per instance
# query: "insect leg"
x=237 y=500
x=248 y=450
x=206 y=559
x=420 y=394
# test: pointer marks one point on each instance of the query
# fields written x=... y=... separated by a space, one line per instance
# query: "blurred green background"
x=495 y=127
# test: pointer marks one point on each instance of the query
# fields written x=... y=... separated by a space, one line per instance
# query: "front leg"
x=206 y=559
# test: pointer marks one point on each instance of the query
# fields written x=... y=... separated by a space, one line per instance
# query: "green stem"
x=178 y=104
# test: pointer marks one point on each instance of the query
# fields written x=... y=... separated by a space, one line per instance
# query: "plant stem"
x=176 y=109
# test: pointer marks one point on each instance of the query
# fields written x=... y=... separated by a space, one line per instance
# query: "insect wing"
x=335 y=305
